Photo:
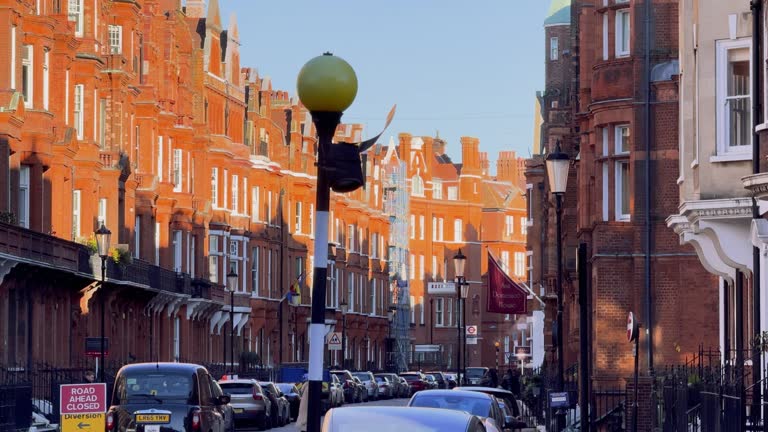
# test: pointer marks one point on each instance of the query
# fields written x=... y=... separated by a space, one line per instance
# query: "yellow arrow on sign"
x=83 y=422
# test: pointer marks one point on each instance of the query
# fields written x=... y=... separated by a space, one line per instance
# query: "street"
x=390 y=402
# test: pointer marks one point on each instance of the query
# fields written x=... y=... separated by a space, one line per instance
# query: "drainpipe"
x=757 y=111
x=647 y=198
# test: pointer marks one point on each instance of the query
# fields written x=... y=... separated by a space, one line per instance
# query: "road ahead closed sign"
x=83 y=407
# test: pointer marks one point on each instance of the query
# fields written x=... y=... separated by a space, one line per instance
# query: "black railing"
x=608 y=409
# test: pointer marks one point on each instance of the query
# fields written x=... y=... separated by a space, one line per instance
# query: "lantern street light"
x=462 y=290
x=103 y=236
x=558 y=164
x=232 y=287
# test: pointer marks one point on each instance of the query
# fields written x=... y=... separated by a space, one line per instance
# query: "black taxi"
x=167 y=397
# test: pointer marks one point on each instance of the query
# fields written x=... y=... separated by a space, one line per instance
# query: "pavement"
x=389 y=402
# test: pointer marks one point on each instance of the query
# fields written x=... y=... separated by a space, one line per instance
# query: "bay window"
x=734 y=94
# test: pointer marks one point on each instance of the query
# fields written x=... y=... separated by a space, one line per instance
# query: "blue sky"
x=457 y=67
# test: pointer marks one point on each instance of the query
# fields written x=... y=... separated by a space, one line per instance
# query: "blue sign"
x=559 y=400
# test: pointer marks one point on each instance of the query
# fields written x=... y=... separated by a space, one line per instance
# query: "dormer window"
x=417 y=186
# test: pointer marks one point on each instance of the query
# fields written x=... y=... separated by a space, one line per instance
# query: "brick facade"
x=140 y=116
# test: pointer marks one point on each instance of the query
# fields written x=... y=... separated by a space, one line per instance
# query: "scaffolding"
x=396 y=206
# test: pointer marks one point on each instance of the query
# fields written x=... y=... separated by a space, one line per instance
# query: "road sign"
x=93 y=346
x=632 y=327
x=523 y=351
x=334 y=341
x=471 y=335
x=83 y=422
x=558 y=400
x=83 y=398
x=441 y=288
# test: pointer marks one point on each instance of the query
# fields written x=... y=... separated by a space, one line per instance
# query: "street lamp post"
x=557 y=172
x=344 y=308
x=327 y=85
x=231 y=287
x=391 y=318
x=496 y=344
x=462 y=290
x=103 y=236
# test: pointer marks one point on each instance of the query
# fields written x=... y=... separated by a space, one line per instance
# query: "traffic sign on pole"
x=83 y=407
x=334 y=341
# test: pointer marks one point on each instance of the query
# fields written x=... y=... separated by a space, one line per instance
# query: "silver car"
x=482 y=405
x=249 y=404
x=400 y=419
x=369 y=383
x=386 y=388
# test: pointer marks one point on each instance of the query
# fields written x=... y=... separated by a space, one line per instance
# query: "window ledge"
x=733 y=157
x=761 y=127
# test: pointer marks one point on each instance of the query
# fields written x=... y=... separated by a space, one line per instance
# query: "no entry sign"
x=632 y=327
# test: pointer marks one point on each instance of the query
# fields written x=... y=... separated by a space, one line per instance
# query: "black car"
x=167 y=397
x=442 y=381
x=294 y=398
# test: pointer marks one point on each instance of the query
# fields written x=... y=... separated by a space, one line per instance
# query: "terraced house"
x=138 y=115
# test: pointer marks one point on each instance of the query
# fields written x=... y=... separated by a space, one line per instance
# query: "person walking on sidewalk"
x=301 y=420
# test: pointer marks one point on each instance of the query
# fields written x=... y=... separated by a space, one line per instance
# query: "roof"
x=399 y=418
x=498 y=195
x=559 y=13
x=161 y=366
x=453 y=393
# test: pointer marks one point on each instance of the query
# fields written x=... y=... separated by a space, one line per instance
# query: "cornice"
x=757 y=184
x=729 y=208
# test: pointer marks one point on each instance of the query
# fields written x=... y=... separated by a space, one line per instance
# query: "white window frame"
x=726 y=152
x=255 y=203
x=102 y=217
x=554 y=48
x=619 y=49
x=159 y=168
x=75 y=14
x=504 y=258
x=235 y=194
x=157 y=243
x=421 y=311
x=524 y=225
x=437 y=189
x=28 y=84
x=115 y=33
x=297 y=217
x=441 y=231
x=13 y=57
x=413 y=267
x=605 y=37
x=193 y=252
x=177 y=243
x=225 y=189
x=413 y=309
x=618 y=196
x=421 y=267
x=255 y=267
x=458 y=230
x=213 y=258
x=417 y=186
x=215 y=187
x=434 y=266
x=439 y=312
x=137 y=237
x=421 y=227
x=618 y=137
x=177 y=169
x=413 y=227
x=46 y=78
x=520 y=264
x=509 y=225
x=453 y=193
x=76 y=213
x=79 y=109
x=434 y=228
x=24 y=195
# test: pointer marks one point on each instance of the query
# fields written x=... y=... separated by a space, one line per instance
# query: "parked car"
x=452 y=379
x=352 y=393
x=336 y=397
x=401 y=419
x=291 y=393
x=476 y=403
x=405 y=388
x=442 y=381
x=477 y=376
x=281 y=410
x=416 y=381
x=506 y=396
x=398 y=389
x=250 y=406
x=369 y=383
x=385 y=388
x=431 y=382
x=170 y=396
x=363 y=390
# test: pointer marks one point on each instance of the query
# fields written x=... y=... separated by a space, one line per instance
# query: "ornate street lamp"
x=232 y=287
x=103 y=236
x=558 y=164
x=462 y=291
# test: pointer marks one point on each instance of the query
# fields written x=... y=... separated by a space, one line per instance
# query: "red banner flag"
x=504 y=295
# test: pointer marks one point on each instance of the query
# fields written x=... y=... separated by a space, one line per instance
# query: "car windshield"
x=475 y=372
x=363 y=376
x=236 y=388
x=155 y=386
x=340 y=375
x=285 y=388
x=381 y=379
x=476 y=406
x=410 y=378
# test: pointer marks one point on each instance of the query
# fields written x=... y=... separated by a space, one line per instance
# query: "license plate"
x=237 y=410
x=153 y=418
x=152 y=428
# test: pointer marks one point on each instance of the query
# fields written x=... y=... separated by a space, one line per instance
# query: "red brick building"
x=626 y=131
x=460 y=206
x=138 y=115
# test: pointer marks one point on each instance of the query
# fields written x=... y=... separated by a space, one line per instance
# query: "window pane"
x=624 y=170
x=623 y=136
x=738 y=73
x=624 y=31
x=739 y=119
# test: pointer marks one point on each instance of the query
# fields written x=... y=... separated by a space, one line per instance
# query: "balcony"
x=42 y=250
